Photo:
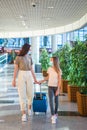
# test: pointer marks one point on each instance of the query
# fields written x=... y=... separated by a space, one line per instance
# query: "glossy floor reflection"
x=10 y=116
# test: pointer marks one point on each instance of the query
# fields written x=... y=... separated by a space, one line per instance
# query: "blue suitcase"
x=39 y=101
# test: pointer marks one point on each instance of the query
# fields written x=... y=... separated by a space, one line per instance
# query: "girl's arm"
x=45 y=79
x=59 y=84
x=15 y=74
x=59 y=81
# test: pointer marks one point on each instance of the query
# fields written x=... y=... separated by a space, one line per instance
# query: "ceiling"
x=20 y=15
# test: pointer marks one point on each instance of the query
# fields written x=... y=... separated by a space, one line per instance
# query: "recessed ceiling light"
x=21 y=16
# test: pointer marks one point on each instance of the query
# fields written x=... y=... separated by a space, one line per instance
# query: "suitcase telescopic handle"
x=40 y=90
x=35 y=88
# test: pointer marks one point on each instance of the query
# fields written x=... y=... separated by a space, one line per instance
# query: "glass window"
x=81 y=34
x=76 y=35
x=67 y=36
x=71 y=36
x=85 y=33
x=59 y=39
x=41 y=42
x=85 y=28
x=45 y=41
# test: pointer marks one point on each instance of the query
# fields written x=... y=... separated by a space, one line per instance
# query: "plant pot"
x=64 y=85
x=72 y=90
x=45 y=73
x=82 y=103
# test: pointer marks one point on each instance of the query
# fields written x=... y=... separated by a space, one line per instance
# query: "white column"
x=35 y=42
x=54 y=43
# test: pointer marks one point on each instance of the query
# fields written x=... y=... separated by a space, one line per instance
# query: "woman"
x=23 y=66
x=54 y=86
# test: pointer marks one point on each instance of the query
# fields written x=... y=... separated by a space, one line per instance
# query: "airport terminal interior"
x=55 y=27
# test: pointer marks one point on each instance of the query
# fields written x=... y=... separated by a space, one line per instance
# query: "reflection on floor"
x=10 y=116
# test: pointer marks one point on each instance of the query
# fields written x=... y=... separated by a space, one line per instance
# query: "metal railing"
x=3 y=60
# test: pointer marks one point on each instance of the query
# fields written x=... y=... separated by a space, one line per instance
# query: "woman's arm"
x=15 y=74
x=33 y=74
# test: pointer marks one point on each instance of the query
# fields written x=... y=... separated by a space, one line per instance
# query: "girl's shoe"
x=56 y=116
x=53 y=119
x=24 y=118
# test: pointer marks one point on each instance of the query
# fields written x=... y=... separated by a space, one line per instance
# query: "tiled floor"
x=10 y=116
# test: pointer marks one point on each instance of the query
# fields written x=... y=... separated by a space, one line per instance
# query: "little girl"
x=54 y=85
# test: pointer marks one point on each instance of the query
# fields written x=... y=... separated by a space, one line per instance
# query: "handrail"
x=3 y=59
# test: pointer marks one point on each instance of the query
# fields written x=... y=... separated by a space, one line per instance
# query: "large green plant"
x=44 y=60
x=64 y=58
x=78 y=67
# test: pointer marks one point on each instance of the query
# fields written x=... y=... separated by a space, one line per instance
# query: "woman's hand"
x=14 y=83
x=35 y=81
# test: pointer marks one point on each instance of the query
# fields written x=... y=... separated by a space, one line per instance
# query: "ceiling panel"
x=20 y=15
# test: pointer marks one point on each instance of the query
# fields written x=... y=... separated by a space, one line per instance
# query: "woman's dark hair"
x=24 y=50
x=56 y=64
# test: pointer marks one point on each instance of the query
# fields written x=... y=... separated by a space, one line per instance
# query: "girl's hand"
x=41 y=81
x=14 y=83
x=57 y=92
x=60 y=89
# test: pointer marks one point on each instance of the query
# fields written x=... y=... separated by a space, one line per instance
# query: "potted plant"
x=72 y=87
x=78 y=70
x=45 y=61
x=82 y=80
x=64 y=58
